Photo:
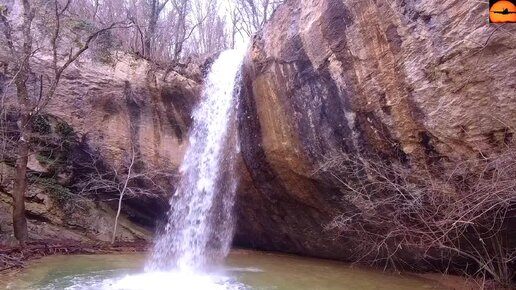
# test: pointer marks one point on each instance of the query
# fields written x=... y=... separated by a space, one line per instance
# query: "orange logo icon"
x=502 y=11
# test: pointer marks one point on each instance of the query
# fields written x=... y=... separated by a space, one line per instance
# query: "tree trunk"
x=151 y=29
x=20 y=187
x=20 y=182
x=122 y=193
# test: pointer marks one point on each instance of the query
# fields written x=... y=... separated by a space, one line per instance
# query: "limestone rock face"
x=129 y=101
x=89 y=222
x=415 y=82
x=113 y=108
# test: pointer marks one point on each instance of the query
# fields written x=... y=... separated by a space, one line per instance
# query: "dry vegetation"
x=461 y=217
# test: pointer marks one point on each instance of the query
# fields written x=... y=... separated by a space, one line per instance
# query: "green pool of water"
x=242 y=270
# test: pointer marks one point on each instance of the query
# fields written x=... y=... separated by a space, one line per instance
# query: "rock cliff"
x=420 y=85
x=111 y=108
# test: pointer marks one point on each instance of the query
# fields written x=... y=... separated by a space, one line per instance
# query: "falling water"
x=199 y=222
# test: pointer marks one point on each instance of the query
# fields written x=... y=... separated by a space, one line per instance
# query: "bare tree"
x=164 y=30
x=19 y=42
x=105 y=182
x=18 y=32
x=156 y=6
x=169 y=25
x=122 y=193
x=248 y=16
x=211 y=35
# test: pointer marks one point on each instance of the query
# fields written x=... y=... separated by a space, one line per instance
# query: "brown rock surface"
x=110 y=106
x=421 y=83
x=131 y=99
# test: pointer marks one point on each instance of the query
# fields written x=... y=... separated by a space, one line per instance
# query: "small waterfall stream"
x=200 y=225
x=199 y=231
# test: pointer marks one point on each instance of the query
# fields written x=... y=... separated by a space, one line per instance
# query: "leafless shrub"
x=8 y=262
x=101 y=180
x=248 y=16
x=463 y=213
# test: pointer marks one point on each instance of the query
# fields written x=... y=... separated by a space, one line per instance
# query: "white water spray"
x=200 y=225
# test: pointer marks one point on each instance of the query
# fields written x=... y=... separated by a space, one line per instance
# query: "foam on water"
x=183 y=280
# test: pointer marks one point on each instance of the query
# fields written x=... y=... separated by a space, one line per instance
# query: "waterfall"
x=200 y=225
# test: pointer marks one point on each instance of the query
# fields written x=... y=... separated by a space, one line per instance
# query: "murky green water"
x=242 y=270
